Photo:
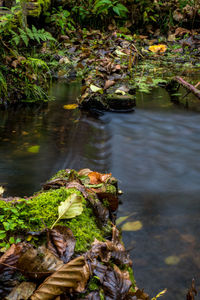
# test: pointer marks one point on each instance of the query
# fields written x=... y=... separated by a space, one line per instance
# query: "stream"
x=153 y=151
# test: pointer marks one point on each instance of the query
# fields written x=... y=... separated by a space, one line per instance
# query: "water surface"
x=154 y=152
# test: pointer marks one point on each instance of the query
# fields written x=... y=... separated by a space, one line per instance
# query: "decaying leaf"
x=93 y=296
x=100 y=211
x=96 y=177
x=22 y=291
x=38 y=263
x=115 y=285
x=70 y=106
x=70 y=208
x=54 y=184
x=74 y=275
x=61 y=242
x=80 y=187
x=8 y=264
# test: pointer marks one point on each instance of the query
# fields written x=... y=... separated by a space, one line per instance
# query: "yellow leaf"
x=121 y=219
x=120 y=92
x=70 y=106
x=160 y=294
x=158 y=48
x=172 y=260
x=132 y=226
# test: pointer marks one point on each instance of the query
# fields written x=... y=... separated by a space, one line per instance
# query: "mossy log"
x=81 y=257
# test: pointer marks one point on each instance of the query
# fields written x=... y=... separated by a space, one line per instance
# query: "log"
x=188 y=86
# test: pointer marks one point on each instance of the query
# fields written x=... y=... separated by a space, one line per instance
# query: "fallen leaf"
x=120 y=53
x=96 y=89
x=61 y=242
x=121 y=219
x=70 y=106
x=108 y=84
x=22 y=291
x=132 y=226
x=70 y=208
x=120 y=92
x=172 y=260
x=74 y=275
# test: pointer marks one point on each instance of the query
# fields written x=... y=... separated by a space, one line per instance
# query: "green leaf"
x=116 y=10
x=70 y=208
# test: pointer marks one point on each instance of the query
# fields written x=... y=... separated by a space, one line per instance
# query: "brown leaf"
x=93 y=296
x=192 y=292
x=74 y=275
x=38 y=263
x=8 y=263
x=78 y=186
x=22 y=291
x=96 y=178
x=61 y=242
x=108 y=84
x=115 y=285
x=100 y=211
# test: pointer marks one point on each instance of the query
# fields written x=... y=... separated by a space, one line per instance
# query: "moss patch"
x=41 y=211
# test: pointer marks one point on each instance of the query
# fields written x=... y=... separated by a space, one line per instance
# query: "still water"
x=154 y=152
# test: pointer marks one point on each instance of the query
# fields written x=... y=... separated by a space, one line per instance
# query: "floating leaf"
x=96 y=89
x=159 y=294
x=33 y=149
x=172 y=260
x=70 y=208
x=132 y=226
x=74 y=275
x=121 y=219
x=158 y=48
x=70 y=106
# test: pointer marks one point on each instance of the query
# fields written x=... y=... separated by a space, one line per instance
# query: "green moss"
x=41 y=211
x=39 y=7
x=111 y=189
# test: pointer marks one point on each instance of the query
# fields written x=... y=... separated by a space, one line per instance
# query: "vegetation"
x=33 y=50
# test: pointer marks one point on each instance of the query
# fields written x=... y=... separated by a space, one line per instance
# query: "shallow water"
x=154 y=152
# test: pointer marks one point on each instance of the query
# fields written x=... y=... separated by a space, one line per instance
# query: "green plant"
x=39 y=35
x=102 y=7
x=61 y=19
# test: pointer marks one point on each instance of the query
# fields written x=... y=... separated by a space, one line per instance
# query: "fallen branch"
x=188 y=86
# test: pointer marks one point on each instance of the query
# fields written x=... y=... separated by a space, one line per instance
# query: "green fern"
x=38 y=35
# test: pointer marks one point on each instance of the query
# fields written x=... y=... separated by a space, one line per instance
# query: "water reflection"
x=64 y=139
x=155 y=154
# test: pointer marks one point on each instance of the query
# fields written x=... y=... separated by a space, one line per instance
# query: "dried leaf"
x=115 y=285
x=78 y=186
x=70 y=208
x=22 y=291
x=108 y=84
x=120 y=53
x=74 y=275
x=70 y=106
x=61 y=242
x=96 y=178
x=38 y=263
x=93 y=296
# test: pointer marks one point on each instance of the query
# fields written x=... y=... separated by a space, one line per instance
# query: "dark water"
x=154 y=152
